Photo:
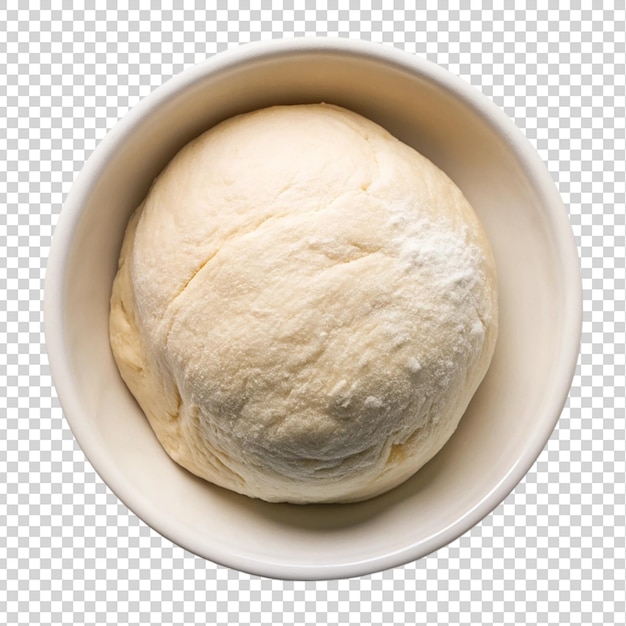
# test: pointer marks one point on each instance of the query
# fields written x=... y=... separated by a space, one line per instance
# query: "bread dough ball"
x=304 y=306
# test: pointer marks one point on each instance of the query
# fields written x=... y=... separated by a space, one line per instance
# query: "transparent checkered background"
x=71 y=553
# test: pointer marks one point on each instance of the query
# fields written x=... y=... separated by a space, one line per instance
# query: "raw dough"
x=304 y=306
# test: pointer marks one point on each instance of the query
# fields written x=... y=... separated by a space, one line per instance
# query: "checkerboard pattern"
x=554 y=552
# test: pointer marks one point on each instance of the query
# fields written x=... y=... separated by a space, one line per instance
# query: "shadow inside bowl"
x=321 y=518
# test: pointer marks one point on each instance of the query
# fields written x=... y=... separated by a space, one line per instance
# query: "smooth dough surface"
x=304 y=306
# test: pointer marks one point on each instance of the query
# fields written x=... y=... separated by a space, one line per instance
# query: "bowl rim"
x=56 y=281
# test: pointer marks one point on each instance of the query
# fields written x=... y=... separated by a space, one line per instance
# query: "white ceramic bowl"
x=510 y=418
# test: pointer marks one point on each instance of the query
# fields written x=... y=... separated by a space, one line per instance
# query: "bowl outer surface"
x=510 y=418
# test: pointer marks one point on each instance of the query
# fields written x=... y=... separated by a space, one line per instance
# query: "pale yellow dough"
x=304 y=306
